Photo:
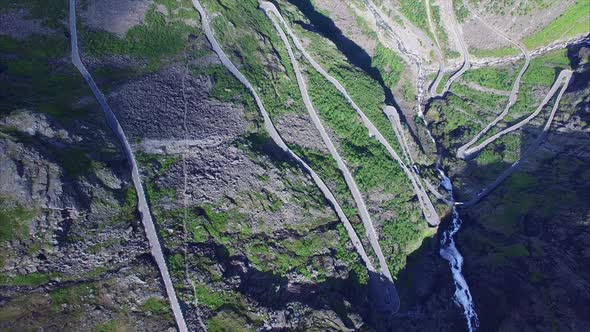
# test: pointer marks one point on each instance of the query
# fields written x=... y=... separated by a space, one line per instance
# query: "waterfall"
x=449 y=251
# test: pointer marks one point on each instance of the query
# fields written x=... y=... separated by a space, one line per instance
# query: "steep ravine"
x=522 y=245
x=326 y=27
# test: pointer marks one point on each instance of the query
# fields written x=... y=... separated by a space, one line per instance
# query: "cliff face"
x=71 y=240
x=525 y=245
x=250 y=241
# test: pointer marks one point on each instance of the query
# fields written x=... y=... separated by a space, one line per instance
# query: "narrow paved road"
x=465 y=151
x=270 y=128
x=356 y=193
x=464 y=50
x=142 y=204
x=439 y=52
x=562 y=80
x=383 y=291
x=428 y=209
x=393 y=116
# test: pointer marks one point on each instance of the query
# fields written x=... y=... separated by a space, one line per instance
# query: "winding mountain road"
x=142 y=205
x=270 y=128
x=392 y=297
x=427 y=207
x=393 y=117
x=439 y=53
x=562 y=80
x=350 y=182
x=464 y=51
x=466 y=151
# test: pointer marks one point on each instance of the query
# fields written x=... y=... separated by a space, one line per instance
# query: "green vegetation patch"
x=506 y=149
x=389 y=63
x=114 y=325
x=50 y=12
x=228 y=321
x=214 y=299
x=33 y=79
x=488 y=77
x=73 y=295
x=31 y=279
x=573 y=22
x=294 y=254
x=157 y=306
x=462 y=114
x=358 y=271
x=251 y=41
x=128 y=211
x=439 y=28
x=159 y=36
x=543 y=70
x=325 y=166
x=366 y=92
x=225 y=86
x=415 y=12
x=461 y=12
x=162 y=163
x=370 y=162
x=402 y=235
x=541 y=73
x=14 y=220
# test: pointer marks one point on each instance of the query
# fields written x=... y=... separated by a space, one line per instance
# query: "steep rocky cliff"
x=250 y=240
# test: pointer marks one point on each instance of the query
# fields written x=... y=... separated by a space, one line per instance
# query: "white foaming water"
x=449 y=251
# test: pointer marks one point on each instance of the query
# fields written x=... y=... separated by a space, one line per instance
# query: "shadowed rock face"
x=116 y=16
x=77 y=237
x=525 y=246
x=343 y=296
x=355 y=54
x=529 y=260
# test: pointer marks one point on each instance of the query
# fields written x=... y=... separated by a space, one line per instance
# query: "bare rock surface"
x=79 y=238
x=153 y=107
x=116 y=16
x=345 y=19
x=298 y=128
x=519 y=25
x=19 y=25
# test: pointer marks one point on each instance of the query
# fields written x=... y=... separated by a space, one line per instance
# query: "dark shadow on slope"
x=355 y=55
x=579 y=55
x=343 y=296
x=524 y=244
